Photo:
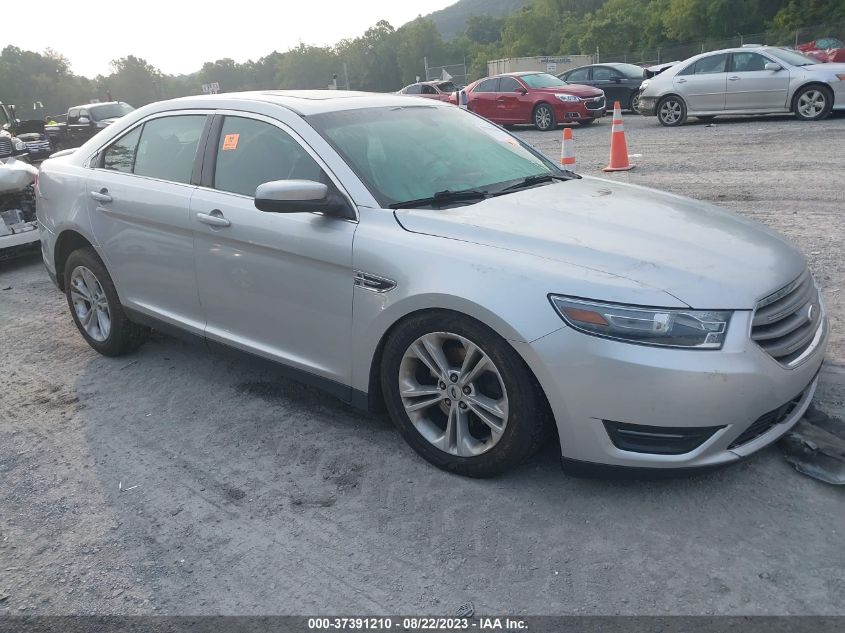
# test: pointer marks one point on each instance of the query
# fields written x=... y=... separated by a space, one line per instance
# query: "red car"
x=534 y=97
x=440 y=90
x=825 y=49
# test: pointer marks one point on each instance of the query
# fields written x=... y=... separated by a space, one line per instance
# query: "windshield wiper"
x=530 y=181
x=443 y=197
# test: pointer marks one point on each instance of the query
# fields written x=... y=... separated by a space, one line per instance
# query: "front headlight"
x=644 y=84
x=568 y=98
x=699 y=329
x=20 y=146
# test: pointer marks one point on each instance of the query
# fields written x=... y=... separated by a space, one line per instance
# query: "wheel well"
x=375 y=400
x=813 y=84
x=67 y=242
x=670 y=95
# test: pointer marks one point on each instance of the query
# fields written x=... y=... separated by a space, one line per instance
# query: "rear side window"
x=582 y=74
x=603 y=73
x=488 y=85
x=707 y=65
x=252 y=152
x=428 y=90
x=120 y=156
x=168 y=147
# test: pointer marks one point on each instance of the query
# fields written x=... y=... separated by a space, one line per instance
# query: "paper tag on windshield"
x=230 y=142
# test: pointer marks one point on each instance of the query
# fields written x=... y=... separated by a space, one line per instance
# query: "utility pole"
x=346 y=75
x=425 y=64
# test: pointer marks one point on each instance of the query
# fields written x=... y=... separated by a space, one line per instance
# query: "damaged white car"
x=18 y=226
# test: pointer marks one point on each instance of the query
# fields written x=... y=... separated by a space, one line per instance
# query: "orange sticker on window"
x=230 y=142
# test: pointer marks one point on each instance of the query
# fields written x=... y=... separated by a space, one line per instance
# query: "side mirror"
x=772 y=66
x=522 y=91
x=617 y=80
x=84 y=120
x=300 y=196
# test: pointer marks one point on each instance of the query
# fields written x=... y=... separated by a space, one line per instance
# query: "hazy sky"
x=178 y=36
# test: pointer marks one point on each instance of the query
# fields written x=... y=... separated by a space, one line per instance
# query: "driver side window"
x=251 y=152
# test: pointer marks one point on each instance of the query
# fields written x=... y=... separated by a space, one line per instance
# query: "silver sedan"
x=748 y=80
x=406 y=254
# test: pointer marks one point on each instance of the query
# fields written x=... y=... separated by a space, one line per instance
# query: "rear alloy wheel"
x=461 y=396
x=544 y=117
x=672 y=111
x=812 y=103
x=95 y=306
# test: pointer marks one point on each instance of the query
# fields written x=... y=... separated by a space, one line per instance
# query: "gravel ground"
x=176 y=481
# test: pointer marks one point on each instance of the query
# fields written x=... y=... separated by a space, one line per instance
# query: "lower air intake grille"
x=766 y=421
x=785 y=323
x=657 y=440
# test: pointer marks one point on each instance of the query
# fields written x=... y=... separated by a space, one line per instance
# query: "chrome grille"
x=5 y=146
x=786 y=322
x=594 y=104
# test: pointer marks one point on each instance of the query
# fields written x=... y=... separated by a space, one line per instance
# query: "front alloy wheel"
x=460 y=394
x=812 y=104
x=453 y=394
x=672 y=112
x=544 y=117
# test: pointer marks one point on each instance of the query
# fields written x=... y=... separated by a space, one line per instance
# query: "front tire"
x=634 y=103
x=544 y=117
x=461 y=396
x=812 y=103
x=672 y=111
x=95 y=306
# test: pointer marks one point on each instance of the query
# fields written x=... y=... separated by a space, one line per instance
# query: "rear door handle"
x=215 y=218
x=734 y=78
x=102 y=195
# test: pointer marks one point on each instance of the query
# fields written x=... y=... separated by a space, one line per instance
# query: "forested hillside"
x=385 y=58
x=452 y=20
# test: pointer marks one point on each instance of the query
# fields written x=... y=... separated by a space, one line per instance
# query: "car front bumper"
x=590 y=380
x=647 y=105
x=577 y=111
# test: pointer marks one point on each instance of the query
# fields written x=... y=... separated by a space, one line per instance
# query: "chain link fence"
x=679 y=52
x=456 y=72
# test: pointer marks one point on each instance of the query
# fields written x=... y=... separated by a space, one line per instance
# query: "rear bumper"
x=590 y=381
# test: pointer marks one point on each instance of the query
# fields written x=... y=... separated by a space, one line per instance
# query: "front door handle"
x=102 y=195
x=215 y=218
x=734 y=78
x=682 y=81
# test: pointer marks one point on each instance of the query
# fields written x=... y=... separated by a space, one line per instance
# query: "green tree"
x=132 y=80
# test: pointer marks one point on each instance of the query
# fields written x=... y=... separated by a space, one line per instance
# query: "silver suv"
x=403 y=253
x=748 y=80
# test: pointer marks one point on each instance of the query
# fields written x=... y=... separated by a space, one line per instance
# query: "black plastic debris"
x=816 y=447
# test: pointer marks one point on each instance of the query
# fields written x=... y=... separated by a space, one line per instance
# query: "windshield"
x=543 y=80
x=110 y=110
x=447 y=86
x=791 y=57
x=629 y=70
x=408 y=153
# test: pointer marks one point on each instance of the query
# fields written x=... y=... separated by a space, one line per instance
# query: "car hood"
x=578 y=90
x=831 y=67
x=707 y=257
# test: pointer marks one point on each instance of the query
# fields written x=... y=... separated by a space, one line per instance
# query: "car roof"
x=303 y=102
x=95 y=103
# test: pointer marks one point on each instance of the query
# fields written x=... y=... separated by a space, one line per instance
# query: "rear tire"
x=812 y=103
x=671 y=111
x=543 y=117
x=479 y=411
x=95 y=306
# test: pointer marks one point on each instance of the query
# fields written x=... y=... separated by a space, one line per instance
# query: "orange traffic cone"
x=567 y=150
x=618 y=145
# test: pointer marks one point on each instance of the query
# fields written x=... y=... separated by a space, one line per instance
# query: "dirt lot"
x=176 y=481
